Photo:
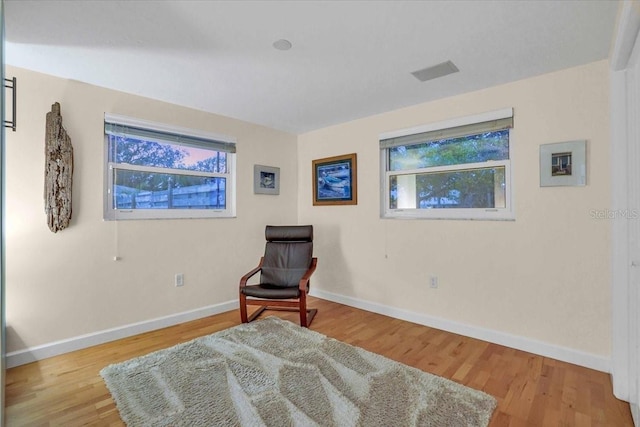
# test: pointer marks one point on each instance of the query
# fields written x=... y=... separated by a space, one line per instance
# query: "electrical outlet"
x=433 y=282
x=179 y=280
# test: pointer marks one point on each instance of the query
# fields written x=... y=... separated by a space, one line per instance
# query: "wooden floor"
x=531 y=390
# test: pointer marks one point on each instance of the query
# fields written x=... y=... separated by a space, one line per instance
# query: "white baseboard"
x=33 y=354
x=564 y=354
x=553 y=351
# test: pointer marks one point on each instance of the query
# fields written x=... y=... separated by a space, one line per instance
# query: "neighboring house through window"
x=459 y=169
x=155 y=171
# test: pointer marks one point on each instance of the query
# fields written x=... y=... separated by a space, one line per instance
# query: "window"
x=154 y=171
x=460 y=169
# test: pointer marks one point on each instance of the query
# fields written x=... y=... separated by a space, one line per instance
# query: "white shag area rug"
x=272 y=372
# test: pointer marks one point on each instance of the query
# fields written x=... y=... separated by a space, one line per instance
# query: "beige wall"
x=63 y=285
x=544 y=276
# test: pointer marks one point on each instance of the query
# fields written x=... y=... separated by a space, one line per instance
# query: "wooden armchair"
x=285 y=269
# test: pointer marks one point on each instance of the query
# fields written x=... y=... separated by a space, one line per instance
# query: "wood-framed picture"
x=266 y=180
x=335 y=180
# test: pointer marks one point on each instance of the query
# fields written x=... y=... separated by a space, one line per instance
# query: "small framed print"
x=266 y=180
x=335 y=180
x=563 y=164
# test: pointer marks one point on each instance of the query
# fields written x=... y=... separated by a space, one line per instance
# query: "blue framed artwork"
x=335 y=180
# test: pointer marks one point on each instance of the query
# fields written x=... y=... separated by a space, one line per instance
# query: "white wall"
x=60 y=286
x=543 y=277
x=625 y=156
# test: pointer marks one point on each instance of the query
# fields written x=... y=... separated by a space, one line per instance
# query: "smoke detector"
x=282 y=44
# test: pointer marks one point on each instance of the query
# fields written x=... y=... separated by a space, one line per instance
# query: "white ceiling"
x=350 y=59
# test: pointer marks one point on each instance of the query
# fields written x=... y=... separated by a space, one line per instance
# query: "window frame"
x=112 y=214
x=507 y=213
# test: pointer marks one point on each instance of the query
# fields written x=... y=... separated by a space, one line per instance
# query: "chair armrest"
x=246 y=277
x=304 y=281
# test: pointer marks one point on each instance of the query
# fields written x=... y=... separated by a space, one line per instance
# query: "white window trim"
x=497 y=214
x=111 y=214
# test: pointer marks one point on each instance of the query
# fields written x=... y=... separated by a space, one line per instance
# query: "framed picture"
x=266 y=180
x=563 y=164
x=335 y=180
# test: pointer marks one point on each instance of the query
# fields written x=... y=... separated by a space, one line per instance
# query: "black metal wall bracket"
x=11 y=84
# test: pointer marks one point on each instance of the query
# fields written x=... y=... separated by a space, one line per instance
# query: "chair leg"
x=257 y=313
x=306 y=315
x=243 y=308
x=310 y=315
x=303 y=310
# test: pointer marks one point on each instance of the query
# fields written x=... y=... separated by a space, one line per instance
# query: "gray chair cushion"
x=289 y=233
x=285 y=263
x=270 y=292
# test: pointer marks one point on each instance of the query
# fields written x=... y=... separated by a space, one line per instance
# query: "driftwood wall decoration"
x=58 y=173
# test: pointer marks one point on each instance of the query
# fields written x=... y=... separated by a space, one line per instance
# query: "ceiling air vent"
x=435 y=71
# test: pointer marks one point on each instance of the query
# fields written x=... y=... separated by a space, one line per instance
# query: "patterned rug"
x=272 y=372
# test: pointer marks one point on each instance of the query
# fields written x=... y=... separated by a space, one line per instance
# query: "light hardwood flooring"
x=531 y=390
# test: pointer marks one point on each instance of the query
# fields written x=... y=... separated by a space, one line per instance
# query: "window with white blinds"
x=155 y=171
x=459 y=169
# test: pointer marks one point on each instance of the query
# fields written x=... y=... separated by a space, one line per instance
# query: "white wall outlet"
x=179 y=280
x=433 y=282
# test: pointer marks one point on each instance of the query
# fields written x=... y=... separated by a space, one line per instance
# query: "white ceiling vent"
x=435 y=71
